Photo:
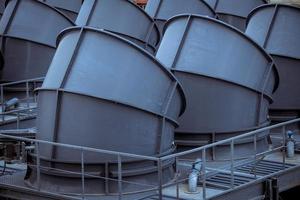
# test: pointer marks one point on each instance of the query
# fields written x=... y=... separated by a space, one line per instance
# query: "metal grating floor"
x=246 y=173
x=217 y=183
x=220 y=182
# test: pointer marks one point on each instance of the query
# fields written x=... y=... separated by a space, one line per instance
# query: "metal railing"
x=27 y=87
x=18 y=115
x=232 y=141
x=83 y=151
x=158 y=188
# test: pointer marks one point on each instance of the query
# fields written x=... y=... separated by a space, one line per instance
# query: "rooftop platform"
x=260 y=176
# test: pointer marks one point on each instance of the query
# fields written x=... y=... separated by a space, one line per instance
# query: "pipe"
x=193 y=177
x=290 y=145
x=10 y=104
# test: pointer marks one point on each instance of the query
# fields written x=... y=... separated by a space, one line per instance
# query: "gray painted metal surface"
x=162 y=10
x=277 y=29
x=68 y=7
x=234 y=12
x=28 y=31
x=122 y=17
x=2 y=7
x=228 y=80
x=243 y=148
x=102 y=91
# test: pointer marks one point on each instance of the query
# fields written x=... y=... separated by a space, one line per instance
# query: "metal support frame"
x=270 y=26
x=274 y=184
x=165 y=108
x=183 y=38
x=255 y=157
x=262 y=92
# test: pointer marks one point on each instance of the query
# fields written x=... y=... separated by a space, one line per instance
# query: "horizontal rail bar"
x=17 y=111
x=22 y=81
x=230 y=139
x=81 y=148
x=2 y=134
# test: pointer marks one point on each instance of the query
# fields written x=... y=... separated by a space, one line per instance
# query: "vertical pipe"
x=120 y=177
x=82 y=175
x=204 y=173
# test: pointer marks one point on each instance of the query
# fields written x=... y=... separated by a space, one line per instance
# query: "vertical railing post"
x=232 y=163
x=120 y=177
x=214 y=147
x=38 y=166
x=160 y=182
x=284 y=145
x=177 y=181
x=33 y=93
x=255 y=154
x=106 y=178
x=2 y=103
x=18 y=120
x=204 y=174
x=82 y=175
x=27 y=93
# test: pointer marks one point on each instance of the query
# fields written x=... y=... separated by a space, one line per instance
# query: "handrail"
x=252 y=133
x=18 y=111
x=81 y=148
x=160 y=185
x=27 y=99
x=22 y=81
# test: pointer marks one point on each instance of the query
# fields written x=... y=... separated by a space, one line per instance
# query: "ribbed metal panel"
x=69 y=7
x=234 y=12
x=2 y=7
x=162 y=10
x=277 y=29
x=228 y=80
x=122 y=17
x=28 y=31
x=104 y=92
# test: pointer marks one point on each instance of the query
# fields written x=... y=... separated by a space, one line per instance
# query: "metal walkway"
x=262 y=175
x=254 y=175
